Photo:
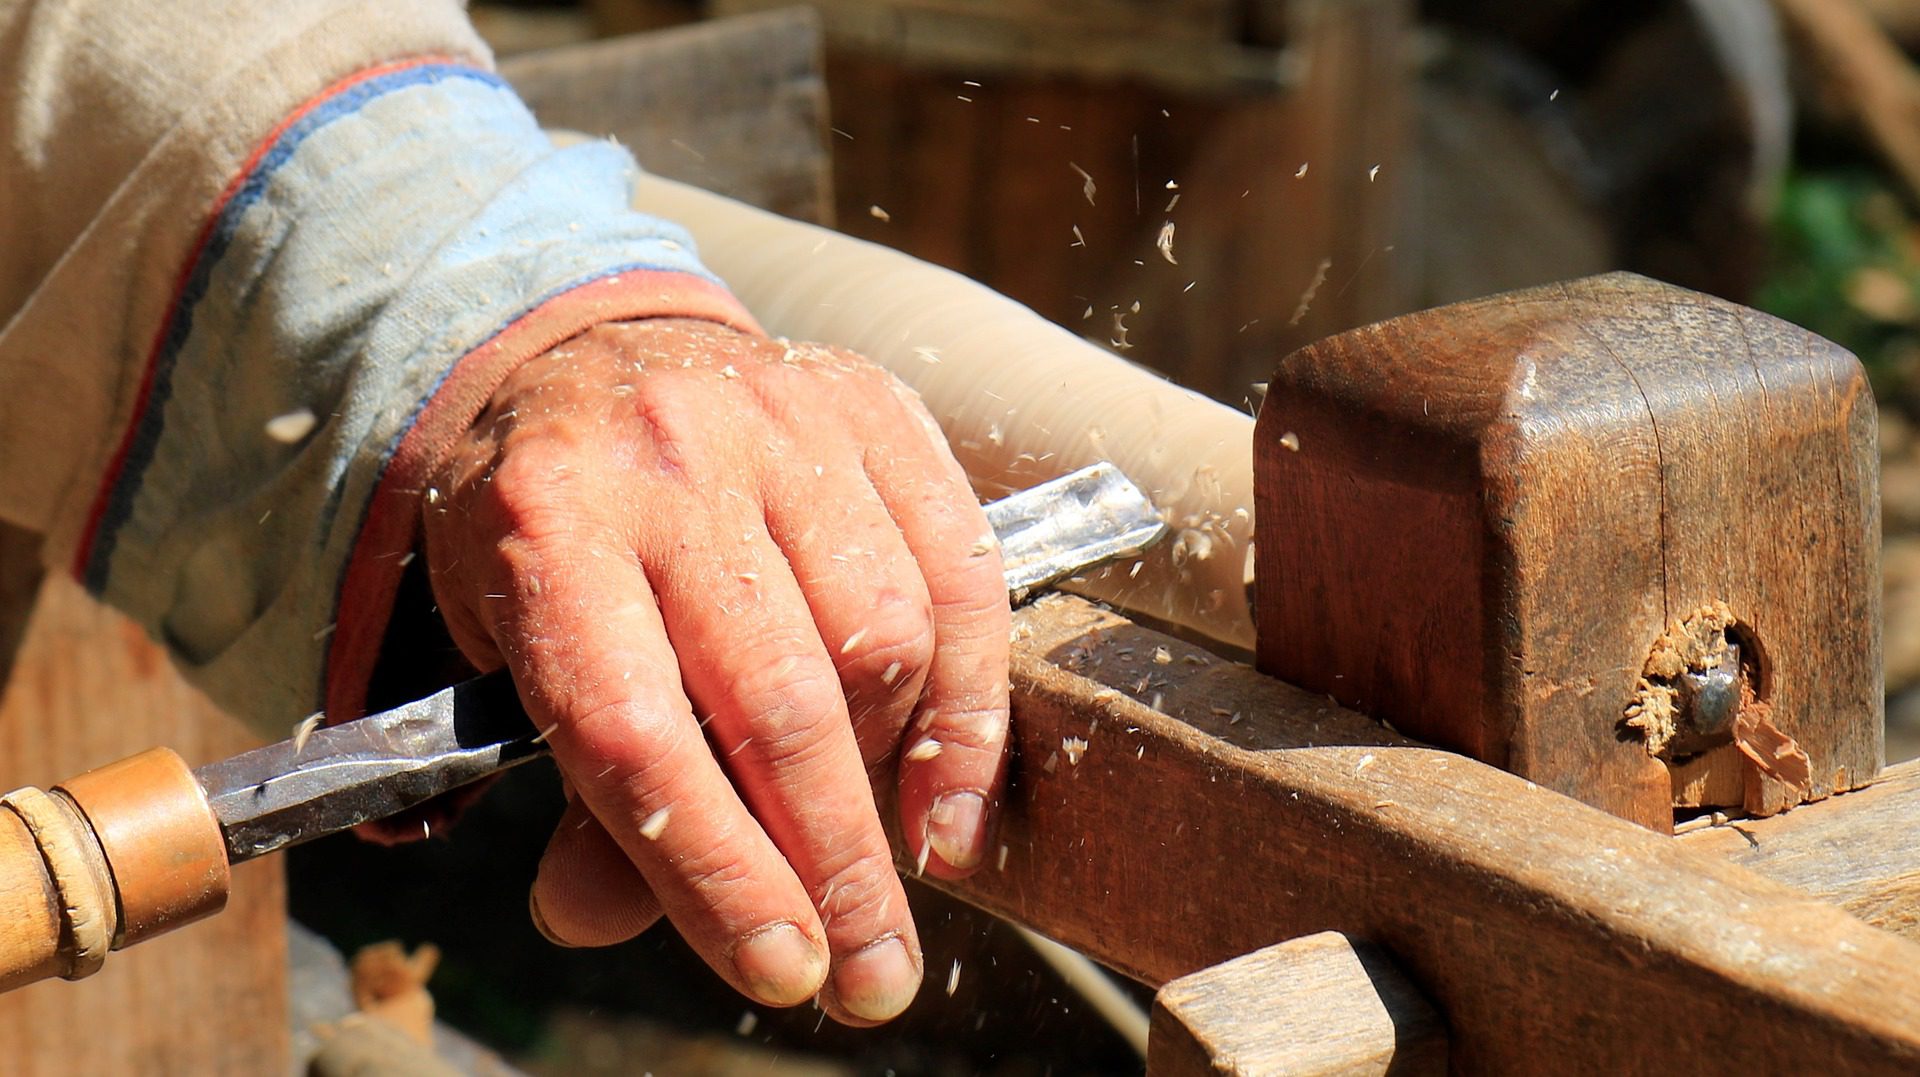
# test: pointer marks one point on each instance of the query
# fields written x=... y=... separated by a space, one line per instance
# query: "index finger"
x=590 y=654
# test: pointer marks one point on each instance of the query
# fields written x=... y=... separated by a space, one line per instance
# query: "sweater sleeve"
x=279 y=255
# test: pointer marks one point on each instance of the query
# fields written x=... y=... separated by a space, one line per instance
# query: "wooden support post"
x=1170 y=810
x=1316 y=1006
x=88 y=688
x=1500 y=524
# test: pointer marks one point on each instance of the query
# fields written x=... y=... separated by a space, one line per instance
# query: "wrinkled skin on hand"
x=735 y=580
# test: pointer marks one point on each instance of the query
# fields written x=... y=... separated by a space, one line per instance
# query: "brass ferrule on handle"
x=102 y=861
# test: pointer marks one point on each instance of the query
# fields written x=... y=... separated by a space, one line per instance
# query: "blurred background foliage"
x=1845 y=263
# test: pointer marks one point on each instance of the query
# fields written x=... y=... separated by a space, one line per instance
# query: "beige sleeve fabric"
x=120 y=124
x=272 y=258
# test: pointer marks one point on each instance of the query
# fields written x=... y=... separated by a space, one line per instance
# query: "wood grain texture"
x=992 y=180
x=89 y=688
x=736 y=106
x=1316 y=1006
x=1474 y=522
x=1182 y=44
x=1859 y=851
x=1241 y=811
x=33 y=929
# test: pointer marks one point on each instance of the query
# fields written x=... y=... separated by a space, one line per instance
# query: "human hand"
x=669 y=526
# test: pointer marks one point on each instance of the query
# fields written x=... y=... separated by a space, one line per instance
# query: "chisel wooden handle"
x=102 y=861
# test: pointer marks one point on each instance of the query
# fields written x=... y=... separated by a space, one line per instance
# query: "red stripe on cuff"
x=392 y=521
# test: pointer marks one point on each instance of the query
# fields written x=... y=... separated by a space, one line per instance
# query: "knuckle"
x=790 y=706
x=527 y=492
x=642 y=756
x=979 y=727
x=895 y=642
x=661 y=430
x=969 y=591
x=716 y=875
x=861 y=888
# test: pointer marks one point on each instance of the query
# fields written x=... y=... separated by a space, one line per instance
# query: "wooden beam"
x=1191 y=45
x=1858 y=851
x=1316 y=1006
x=1236 y=811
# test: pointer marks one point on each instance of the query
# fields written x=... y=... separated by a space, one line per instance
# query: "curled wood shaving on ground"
x=391 y=984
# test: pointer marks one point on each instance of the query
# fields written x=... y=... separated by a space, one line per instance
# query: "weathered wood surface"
x=1860 y=851
x=1182 y=836
x=1053 y=187
x=1316 y=1006
x=1476 y=521
x=88 y=688
x=736 y=106
x=1184 y=44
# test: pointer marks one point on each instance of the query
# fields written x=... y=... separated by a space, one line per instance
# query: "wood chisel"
x=137 y=847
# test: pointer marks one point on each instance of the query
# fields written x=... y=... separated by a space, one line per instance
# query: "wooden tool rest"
x=1525 y=528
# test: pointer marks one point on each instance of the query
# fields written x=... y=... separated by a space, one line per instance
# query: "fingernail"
x=540 y=922
x=954 y=827
x=782 y=966
x=878 y=982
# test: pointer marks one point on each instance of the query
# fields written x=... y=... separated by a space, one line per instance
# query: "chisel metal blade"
x=341 y=776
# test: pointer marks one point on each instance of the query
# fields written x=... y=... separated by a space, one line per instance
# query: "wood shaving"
x=1313 y=288
x=656 y=824
x=1087 y=188
x=1165 y=242
x=924 y=751
x=305 y=729
x=292 y=427
x=1075 y=747
x=390 y=984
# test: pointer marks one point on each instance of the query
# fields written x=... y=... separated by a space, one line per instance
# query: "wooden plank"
x=1165 y=839
x=89 y=688
x=1857 y=851
x=1054 y=189
x=736 y=106
x=1315 y=1006
x=1185 y=45
x=1490 y=513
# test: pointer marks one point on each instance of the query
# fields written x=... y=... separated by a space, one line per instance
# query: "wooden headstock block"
x=1495 y=525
